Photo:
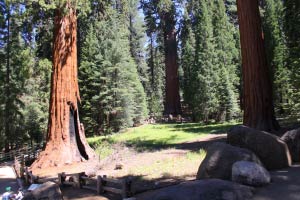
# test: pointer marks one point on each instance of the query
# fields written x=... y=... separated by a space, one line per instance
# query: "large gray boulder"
x=212 y=189
x=292 y=139
x=271 y=150
x=250 y=173
x=219 y=160
x=48 y=190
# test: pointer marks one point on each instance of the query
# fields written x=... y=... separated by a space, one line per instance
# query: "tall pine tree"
x=113 y=96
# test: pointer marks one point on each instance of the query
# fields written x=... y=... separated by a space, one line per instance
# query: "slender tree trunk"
x=66 y=141
x=130 y=35
x=152 y=61
x=257 y=86
x=7 y=86
x=172 y=99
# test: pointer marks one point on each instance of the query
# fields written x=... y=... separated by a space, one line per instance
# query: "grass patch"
x=177 y=166
x=158 y=136
x=103 y=149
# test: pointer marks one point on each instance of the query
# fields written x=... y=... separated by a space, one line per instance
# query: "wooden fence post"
x=126 y=188
x=124 y=193
x=78 y=180
x=22 y=167
x=26 y=175
x=99 y=185
x=61 y=177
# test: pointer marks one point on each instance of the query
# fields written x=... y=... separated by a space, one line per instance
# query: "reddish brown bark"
x=66 y=142
x=257 y=86
x=172 y=99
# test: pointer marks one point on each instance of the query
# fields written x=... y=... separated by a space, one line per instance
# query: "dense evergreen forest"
x=142 y=59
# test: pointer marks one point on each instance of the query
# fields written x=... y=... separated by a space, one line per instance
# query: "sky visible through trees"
x=141 y=59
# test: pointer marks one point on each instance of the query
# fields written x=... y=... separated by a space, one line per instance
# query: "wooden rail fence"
x=30 y=152
x=100 y=184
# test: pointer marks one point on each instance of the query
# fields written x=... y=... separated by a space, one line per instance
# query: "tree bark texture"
x=66 y=142
x=172 y=98
x=257 y=87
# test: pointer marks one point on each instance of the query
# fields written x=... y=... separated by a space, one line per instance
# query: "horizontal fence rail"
x=29 y=152
x=100 y=184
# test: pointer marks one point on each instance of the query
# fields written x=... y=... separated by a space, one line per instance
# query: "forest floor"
x=285 y=185
x=159 y=155
x=153 y=156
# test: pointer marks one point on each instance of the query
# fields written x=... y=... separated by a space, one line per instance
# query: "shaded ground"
x=285 y=185
x=7 y=178
x=83 y=194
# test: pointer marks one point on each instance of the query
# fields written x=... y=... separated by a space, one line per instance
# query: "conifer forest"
x=75 y=69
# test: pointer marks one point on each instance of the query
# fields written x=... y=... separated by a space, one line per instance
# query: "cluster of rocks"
x=232 y=170
x=248 y=155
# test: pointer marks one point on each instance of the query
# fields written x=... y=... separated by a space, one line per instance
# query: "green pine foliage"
x=210 y=60
x=14 y=71
x=112 y=94
x=36 y=101
x=292 y=31
x=137 y=39
x=154 y=58
x=204 y=100
x=226 y=63
x=187 y=57
x=156 y=74
x=276 y=48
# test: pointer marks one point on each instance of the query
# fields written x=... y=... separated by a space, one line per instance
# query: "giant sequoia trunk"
x=172 y=99
x=66 y=142
x=257 y=86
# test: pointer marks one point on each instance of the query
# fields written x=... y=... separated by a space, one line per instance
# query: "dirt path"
x=7 y=179
x=285 y=185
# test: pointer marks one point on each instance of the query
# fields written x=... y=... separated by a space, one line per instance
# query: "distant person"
x=19 y=195
x=8 y=194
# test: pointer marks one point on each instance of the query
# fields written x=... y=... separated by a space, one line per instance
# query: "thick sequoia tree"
x=66 y=142
x=160 y=17
x=172 y=98
x=257 y=86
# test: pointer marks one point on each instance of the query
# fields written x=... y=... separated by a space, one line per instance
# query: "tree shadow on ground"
x=141 y=184
x=197 y=145
x=285 y=185
x=70 y=192
x=153 y=145
x=141 y=144
x=202 y=129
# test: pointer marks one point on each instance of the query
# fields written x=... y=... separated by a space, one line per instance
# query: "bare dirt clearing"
x=158 y=168
x=153 y=156
x=149 y=170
